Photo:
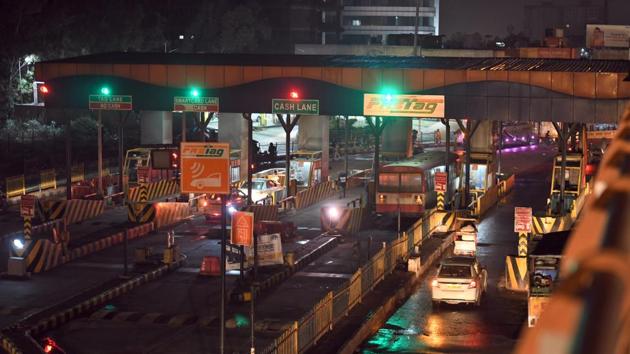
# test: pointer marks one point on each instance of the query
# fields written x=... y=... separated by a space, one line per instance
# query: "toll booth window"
x=571 y=179
x=302 y=171
x=235 y=173
x=388 y=182
x=477 y=176
x=410 y=182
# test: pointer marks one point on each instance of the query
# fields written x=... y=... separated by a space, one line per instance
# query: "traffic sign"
x=294 y=106
x=27 y=205
x=205 y=168
x=196 y=104
x=522 y=219
x=440 y=182
x=429 y=106
x=242 y=228
x=111 y=102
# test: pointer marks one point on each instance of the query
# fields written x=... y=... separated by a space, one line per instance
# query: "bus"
x=544 y=270
x=407 y=187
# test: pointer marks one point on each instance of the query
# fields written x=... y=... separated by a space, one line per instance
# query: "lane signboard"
x=414 y=106
x=196 y=104
x=205 y=168
x=111 y=102
x=27 y=206
x=440 y=181
x=522 y=220
x=294 y=106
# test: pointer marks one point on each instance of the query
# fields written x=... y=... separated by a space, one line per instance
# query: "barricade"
x=140 y=212
x=47 y=179
x=154 y=190
x=51 y=209
x=545 y=224
x=357 y=179
x=78 y=210
x=264 y=212
x=315 y=194
x=486 y=201
x=42 y=255
x=15 y=186
x=516 y=276
x=170 y=213
x=348 y=222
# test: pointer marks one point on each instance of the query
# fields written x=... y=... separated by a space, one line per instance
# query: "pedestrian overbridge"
x=498 y=89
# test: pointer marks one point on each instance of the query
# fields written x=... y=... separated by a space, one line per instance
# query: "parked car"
x=264 y=188
x=212 y=209
x=460 y=280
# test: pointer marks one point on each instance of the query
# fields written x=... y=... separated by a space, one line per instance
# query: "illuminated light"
x=204 y=203
x=332 y=212
x=105 y=90
x=18 y=244
x=472 y=285
x=381 y=196
x=194 y=92
x=507 y=140
x=294 y=94
x=48 y=348
x=388 y=97
x=43 y=89
x=231 y=210
x=523 y=139
x=435 y=283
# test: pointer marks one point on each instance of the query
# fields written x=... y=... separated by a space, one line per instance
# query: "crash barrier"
x=78 y=173
x=287 y=203
x=357 y=179
x=430 y=222
x=47 y=179
x=78 y=210
x=264 y=212
x=140 y=213
x=545 y=224
x=109 y=241
x=506 y=185
x=50 y=209
x=315 y=194
x=516 y=273
x=348 y=221
x=167 y=213
x=485 y=201
x=153 y=190
x=335 y=305
x=15 y=186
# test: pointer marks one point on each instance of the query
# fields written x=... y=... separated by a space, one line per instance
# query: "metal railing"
x=302 y=335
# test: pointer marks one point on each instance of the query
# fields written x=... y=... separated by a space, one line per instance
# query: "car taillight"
x=381 y=196
x=435 y=283
x=472 y=285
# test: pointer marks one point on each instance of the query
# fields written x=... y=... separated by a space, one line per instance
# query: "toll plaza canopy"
x=478 y=88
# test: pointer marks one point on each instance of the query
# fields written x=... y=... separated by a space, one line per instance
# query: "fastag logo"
x=410 y=105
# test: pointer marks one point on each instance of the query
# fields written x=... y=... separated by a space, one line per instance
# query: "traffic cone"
x=210 y=266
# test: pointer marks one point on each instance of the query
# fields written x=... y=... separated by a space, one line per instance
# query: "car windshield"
x=258 y=185
x=455 y=271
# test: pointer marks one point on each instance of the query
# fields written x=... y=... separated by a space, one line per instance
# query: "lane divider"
x=178 y=320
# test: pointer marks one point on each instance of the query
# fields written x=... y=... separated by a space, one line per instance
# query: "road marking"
x=309 y=228
x=324 y=275
x=95 y=265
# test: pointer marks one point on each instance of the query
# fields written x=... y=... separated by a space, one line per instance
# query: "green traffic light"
x=105 y=90
x=194 y=92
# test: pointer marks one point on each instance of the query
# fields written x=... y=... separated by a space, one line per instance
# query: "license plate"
x=452 y=286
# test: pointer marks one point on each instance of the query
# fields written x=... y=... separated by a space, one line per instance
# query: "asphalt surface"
x=494 y=327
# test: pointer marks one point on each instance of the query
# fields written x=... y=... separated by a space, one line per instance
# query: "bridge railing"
x=590 y=310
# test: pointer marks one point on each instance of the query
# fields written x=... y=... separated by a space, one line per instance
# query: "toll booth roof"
x=552 y=244
x=512 y=64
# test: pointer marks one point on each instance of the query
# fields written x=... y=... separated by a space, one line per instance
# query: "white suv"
x=460 y=280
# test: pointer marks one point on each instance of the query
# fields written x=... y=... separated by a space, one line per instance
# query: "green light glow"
x=194 y=92
x=105 y=90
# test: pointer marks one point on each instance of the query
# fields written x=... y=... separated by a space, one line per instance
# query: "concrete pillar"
x=313 y=135
x=233 y=130
x=396 y=139
x=156 y=127
x=481 y=140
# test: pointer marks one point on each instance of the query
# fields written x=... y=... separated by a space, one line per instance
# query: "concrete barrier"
x=170 y=213
x=516 y=275
x=315 y=194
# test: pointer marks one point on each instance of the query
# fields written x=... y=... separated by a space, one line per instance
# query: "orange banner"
x=242 y=228
x=205 y=168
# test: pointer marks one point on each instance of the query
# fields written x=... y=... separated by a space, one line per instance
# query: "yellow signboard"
x=415 y=106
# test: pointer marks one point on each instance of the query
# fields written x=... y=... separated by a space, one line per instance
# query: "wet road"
x=495 y=326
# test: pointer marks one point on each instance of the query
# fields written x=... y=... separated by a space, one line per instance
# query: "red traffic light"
x=174 y=159
x=294 y=94
x=43 y=89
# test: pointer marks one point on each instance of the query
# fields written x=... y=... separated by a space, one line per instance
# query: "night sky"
x=494 y=16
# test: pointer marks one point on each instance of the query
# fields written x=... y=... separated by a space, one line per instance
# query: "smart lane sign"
x=196 y=104
x=389 y=105
x=111 y=102
x=294 y=106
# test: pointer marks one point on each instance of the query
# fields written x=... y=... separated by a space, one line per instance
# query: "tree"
x=242 y=29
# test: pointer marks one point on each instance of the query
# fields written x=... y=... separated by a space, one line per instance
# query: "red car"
x=212 y=208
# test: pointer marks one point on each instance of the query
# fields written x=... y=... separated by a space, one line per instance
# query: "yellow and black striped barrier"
x=51 y=209
x=522 y=244
x=315 y=194
x=42 y=255
x=78 y=210
x=153 y=191
x=28 y=227
x=264 y=212
x=440 y=200
x=170 y=213
x=140 y=212
x=47 y=179
x=546 y=224
x=516 y=276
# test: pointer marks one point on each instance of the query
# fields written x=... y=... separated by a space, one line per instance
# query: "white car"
x=466 y=241
x=460 y=280
x=263 y=188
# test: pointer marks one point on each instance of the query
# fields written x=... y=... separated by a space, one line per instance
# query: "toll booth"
x=306 y=168
x=235 y=167
x=147 y=165
x=574 y=183
x=483 y=172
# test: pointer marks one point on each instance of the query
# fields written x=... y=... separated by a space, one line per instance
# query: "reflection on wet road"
x=494 y=327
